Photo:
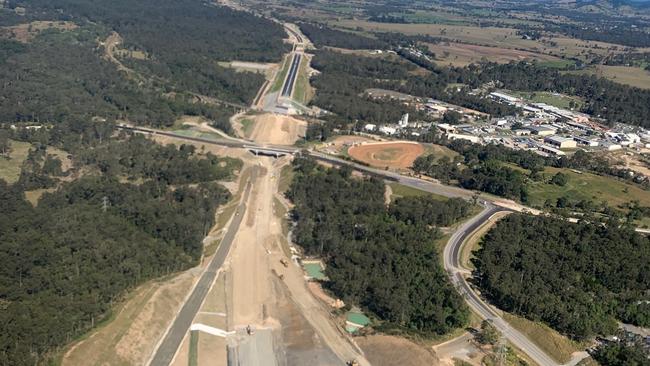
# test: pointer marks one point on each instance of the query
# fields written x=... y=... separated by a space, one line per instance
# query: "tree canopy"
x=383 y=259
x=578 y=278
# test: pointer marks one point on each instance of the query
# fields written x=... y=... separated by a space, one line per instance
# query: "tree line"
x=381 y=258
x=343 y=75
x=579 y=278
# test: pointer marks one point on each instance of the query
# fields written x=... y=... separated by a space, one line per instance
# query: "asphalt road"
x=291 y=78
x=452 y=253
x=171 y=342
x=452 y=250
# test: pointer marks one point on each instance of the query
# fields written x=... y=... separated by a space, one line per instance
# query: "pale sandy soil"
x=130 y=338
x=255 y=265
x=388 y=194
x=631 y=162
x=217 y=150
x=384 y=350
x=462 y=348
x=277 y=129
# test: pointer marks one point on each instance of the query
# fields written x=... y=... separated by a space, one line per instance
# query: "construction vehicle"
x=284 y=262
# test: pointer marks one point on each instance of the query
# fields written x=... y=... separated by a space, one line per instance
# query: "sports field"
x=395 y=155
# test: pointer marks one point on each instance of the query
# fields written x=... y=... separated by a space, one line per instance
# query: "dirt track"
x=259 y=297
x=396 y=155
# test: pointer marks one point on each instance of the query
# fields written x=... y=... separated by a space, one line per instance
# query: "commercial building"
x=551 y=150
x=542 y=130
x=585 y=141
x=561 y=142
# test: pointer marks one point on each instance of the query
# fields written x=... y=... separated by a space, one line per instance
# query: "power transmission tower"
x=105 y=203
x=502 y=352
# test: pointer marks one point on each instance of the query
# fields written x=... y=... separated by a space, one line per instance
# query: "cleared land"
x=634 y=76
x=27 y=31
x=587 y=186
x=554 y=99
x=277 y=129
x=385 y=350
x=504 y=38
x=460 y=54
x=439 y=151
x=131 y=334
x=10 y=167
x=396 y=155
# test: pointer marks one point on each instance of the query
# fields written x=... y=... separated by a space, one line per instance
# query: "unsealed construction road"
x=273 y=298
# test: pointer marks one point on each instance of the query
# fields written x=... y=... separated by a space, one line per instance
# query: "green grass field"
x=439 y=151
x=587 y=186
x=559 y=64
x=557 y=100
x=10 y=167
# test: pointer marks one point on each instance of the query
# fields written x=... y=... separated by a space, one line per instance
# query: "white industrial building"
x=542 y=130
x=388 y=130
x=505 y=98
x=551 y=150
x=585 y=141
x=561 y=142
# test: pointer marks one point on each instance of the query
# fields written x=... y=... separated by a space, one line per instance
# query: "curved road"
x=451 y=256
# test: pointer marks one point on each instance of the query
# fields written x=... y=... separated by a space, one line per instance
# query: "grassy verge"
x=472 y=243
x=193 y=357
x=439 y=151
x=226 y=213
x=400 y=190
x=10 y=167
x=553 y=343
x=247 y=127
x=279 y=78
x=286 y=176
x=303 y=92
x=281 y=212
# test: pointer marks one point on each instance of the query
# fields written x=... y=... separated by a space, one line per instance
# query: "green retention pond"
x=314 y=270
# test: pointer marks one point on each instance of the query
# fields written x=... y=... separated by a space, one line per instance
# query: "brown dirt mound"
x=399 y=155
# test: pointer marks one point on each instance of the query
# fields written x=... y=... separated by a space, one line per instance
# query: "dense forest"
x=64 y=74
x=62 y=272
x=578 y=278
x=323 y=36
x=619 y=354
x=383 y=259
